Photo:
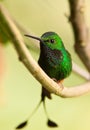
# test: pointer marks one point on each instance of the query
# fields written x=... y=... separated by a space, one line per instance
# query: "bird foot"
x=59 y=82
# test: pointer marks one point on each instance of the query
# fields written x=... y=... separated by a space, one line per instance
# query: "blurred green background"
x=22 y=90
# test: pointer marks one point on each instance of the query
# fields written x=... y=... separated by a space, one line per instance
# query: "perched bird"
x=55 y=60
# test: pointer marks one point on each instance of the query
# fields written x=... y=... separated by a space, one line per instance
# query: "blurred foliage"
x=3 y=36
x=3 y=32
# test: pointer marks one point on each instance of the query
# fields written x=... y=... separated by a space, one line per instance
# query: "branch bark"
x=81 y=31
x=26 y=58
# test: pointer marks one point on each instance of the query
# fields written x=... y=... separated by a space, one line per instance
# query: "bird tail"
x=45 y=94
x=50 y=123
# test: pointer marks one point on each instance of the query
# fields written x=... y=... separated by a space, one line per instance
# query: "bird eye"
x=52 y=40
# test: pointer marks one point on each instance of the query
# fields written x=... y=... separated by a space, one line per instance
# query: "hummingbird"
x=55 y=61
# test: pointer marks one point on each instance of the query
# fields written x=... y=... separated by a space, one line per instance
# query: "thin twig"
x=78 y=70
x=31 y=64
x=24 y=31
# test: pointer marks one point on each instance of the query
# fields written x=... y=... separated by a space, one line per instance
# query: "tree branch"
x=81 y=31
x=24 y=54
x=26 y=58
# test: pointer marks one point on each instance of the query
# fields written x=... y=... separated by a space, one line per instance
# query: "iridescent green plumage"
x=55 y=60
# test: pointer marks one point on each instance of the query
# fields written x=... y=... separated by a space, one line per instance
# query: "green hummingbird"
x=56 y=61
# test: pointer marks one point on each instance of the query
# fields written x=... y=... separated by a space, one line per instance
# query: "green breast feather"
x=56 y=63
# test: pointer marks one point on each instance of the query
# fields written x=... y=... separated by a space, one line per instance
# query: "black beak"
x=37 y=38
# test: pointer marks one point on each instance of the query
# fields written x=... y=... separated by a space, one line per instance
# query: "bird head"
x=50 y=39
